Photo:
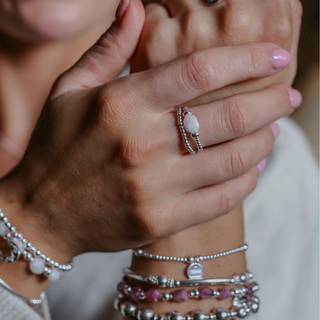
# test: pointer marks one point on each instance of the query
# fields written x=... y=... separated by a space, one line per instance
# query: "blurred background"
x=307 y=80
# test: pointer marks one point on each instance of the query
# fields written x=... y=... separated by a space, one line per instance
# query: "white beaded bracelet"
x=39 y=263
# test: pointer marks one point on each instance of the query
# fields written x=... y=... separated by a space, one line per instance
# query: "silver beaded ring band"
x=165 y=282
x=39 y=263
x=190 y=124
x=30 y=301
x=195 y=269
x=181 y=295
x=243 y=308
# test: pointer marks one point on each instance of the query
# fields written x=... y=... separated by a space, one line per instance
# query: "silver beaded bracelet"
x=39 y=263
x=195 y=269
x=165 y=282
x=30 y=301
x=239 y=310
x=181 y=295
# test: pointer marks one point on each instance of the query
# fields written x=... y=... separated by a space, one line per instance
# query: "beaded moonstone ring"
x=190 y=124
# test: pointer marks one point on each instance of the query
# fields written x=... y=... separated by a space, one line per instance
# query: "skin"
x=177 y=29
x=26 y=200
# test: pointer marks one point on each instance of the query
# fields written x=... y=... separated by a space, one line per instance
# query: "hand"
x=179 y=27
x=105 y=169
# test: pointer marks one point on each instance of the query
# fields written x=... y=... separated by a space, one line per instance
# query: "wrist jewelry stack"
x=39 y=263
x=242 y=294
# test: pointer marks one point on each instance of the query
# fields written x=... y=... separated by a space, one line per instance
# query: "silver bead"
x=241 y=313
x=33 y=249
x=5 y=219
x=250 y=275
x=191 y=259
x=215 y=293
x=12 y=229
x=176 y=316
x=29 y=245
x=201 y=258
x=191 y=294
x=165 y=296
x=243 y=278
x=142 y=296
x=127 y=290
x=145 y=314
x=162 y=281
x=56 y=265
x=177 y=283
x=255 y=299
x=254 y=307
x=1 y=214
x=170 y=283
x=38 y=253
x=196 y=293
x=29 y=256
x=127 y=309
x=43 y=256
x=222 y=314
x=199 y=315
x=212 y=316
x=117 y=303
x=188 y=317
x=138 y=252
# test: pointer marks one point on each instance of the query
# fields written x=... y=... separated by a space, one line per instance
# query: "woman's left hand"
x=179 y=27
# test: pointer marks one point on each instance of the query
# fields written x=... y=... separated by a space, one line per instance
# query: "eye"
x=212 y=1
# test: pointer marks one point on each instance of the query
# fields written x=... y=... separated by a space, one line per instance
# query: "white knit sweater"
x=13 y=308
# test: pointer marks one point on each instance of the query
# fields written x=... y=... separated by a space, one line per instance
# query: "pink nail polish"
x=280 y=58
x=261 y=165
x=275 y=129
x=295 y=98
x=122 y=8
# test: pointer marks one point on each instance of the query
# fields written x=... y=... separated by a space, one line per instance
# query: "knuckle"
x=237 y=116
x=238 y=161
x=227 y=201
x=254 y=61
x=200 y=72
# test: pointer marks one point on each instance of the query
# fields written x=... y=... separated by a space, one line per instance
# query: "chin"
x=47 y=20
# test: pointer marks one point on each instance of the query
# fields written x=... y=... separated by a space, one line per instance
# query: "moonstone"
x=20 y=244
x=54 y=275
x=3 y=229
x=225 y=293
x=191 y=123
x=153 y=295
x=135 y=293
x=205 y=292
x=180 y=295
x=37 y=265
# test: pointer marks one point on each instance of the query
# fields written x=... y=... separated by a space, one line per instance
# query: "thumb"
x=105 y=60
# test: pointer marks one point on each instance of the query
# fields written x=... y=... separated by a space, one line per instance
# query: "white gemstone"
x=3 y=229
x=20 y=244
x=191 y=123
x=37 y=265
x=54 y=275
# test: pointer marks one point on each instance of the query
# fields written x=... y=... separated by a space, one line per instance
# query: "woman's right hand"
x=106 y=169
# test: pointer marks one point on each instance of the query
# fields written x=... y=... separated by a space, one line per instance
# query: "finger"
x=209 y=203
x=188 y=77
x=242 y=114
x=103 y=62
x=226 y=161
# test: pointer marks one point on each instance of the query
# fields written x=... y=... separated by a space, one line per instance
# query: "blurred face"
x=43 y=20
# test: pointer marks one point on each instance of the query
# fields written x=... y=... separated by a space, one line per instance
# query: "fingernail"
x=295 y=98
x=280 y=58
x=261 y=165
x=275 y=129
x=122 y=8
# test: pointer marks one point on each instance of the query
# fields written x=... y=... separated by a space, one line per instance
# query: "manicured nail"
x=275 y=129
x=280 y=58
x=261 y=165
x=122 y=8
x=295 y=98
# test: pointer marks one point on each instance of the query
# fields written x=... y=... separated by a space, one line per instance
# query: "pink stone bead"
x=250 y=292
x=121 y=286
x=135 y=293
x=180 y=295
x=225 y=293
x=205 y=292
x=153 y=295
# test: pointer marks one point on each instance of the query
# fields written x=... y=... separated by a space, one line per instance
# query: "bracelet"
x=153 y=295
x=241 y=310
x=165 y=282
x=195 y=269
x=30 y=301
x=39 y=263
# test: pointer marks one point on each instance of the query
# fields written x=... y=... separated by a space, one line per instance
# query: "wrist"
x=220 y=235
